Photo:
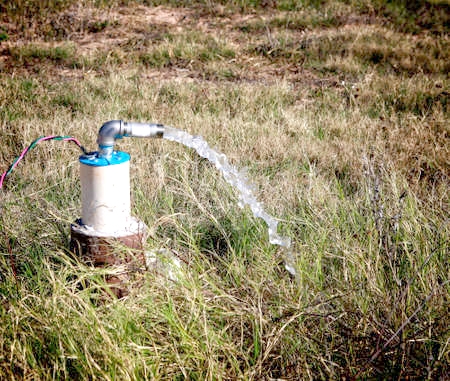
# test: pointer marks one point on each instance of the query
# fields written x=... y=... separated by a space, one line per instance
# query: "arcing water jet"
x=106 y=191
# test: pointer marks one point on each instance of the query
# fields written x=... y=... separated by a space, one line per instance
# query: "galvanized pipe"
x=117 y=129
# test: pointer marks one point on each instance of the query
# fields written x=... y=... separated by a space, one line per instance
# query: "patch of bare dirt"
x=112 y=31
x=126 y=23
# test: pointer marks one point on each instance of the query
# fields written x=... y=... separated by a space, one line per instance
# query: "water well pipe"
x=105 y=178
x=117 y=129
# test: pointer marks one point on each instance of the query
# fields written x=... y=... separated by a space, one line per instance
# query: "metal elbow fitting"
x=117 y=129
x=109 y=132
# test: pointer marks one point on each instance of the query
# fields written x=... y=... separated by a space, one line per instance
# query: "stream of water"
x=239 y=181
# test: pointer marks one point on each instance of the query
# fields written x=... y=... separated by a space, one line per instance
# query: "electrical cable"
x=33 y=144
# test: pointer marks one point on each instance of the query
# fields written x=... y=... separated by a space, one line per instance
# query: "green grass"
x=184 y=50
x=341 y=124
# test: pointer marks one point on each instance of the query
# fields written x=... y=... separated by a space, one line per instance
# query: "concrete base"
x=164 y=262
x=124 y=251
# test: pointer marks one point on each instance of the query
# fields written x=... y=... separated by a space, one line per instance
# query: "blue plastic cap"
x=94 y=160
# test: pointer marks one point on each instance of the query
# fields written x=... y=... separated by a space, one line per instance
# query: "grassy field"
x=338 y=110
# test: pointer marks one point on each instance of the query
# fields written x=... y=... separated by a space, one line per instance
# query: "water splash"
x=239 y=181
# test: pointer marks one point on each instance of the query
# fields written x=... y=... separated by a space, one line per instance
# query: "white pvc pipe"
x=105 y=197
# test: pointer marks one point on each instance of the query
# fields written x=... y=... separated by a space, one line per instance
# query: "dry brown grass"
x=339 y=112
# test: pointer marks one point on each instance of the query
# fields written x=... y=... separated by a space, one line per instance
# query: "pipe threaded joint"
x=117 y=129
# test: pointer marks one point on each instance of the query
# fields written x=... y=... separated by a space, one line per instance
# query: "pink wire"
x=21 y=156
x=24 y=152
x=2 y=178
x=76 y=141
